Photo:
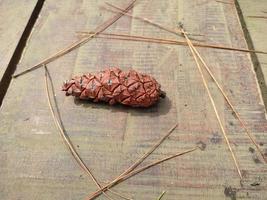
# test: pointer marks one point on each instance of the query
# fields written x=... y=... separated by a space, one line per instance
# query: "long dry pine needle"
x=78 y=43
x=214 y=106
x=260 y=17
x=165 y=41
x=229 y=103
x=225 y=2
x=142 y=158
x=119 y=195
x=64 y=136
x=137 y=171
x=146 y=20
x=120 y=10
x=149 y=152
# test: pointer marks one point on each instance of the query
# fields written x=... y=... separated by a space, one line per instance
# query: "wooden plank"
x=14 y=16
x=35 y=163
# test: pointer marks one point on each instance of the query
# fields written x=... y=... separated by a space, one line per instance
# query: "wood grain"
x=35 y=163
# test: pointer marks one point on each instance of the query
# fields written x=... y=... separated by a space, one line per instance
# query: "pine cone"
x=115 y=86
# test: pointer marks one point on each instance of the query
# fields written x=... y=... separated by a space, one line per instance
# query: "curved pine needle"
x=78 y=43
x=67 y=141
x=214 y=106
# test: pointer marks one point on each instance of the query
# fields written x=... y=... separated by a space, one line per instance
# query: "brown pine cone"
x=115 y=86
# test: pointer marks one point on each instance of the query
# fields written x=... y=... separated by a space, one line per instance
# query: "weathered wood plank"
x=35 y=163
x=14 y=16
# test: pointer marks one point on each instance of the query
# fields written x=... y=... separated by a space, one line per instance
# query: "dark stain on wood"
x=252 y=150
x=216 y=138
x=256 y=159
x=230 y=192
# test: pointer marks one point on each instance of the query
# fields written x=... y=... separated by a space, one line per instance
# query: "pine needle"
x=135 y=172
x=165 y=41
x=161 y=196
x=225 y=2
x=149 y=152
x=120 y=10
x=214 y=106
x=142 y=158
x=260 y=17
x=247 y=131
x=64 y=136
x=119 y=195
x=78 y=43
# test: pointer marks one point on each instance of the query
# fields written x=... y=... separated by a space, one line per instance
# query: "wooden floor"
x=35 y=164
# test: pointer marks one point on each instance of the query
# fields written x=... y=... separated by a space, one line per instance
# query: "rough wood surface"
x=34 y=162
x=14 y=16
